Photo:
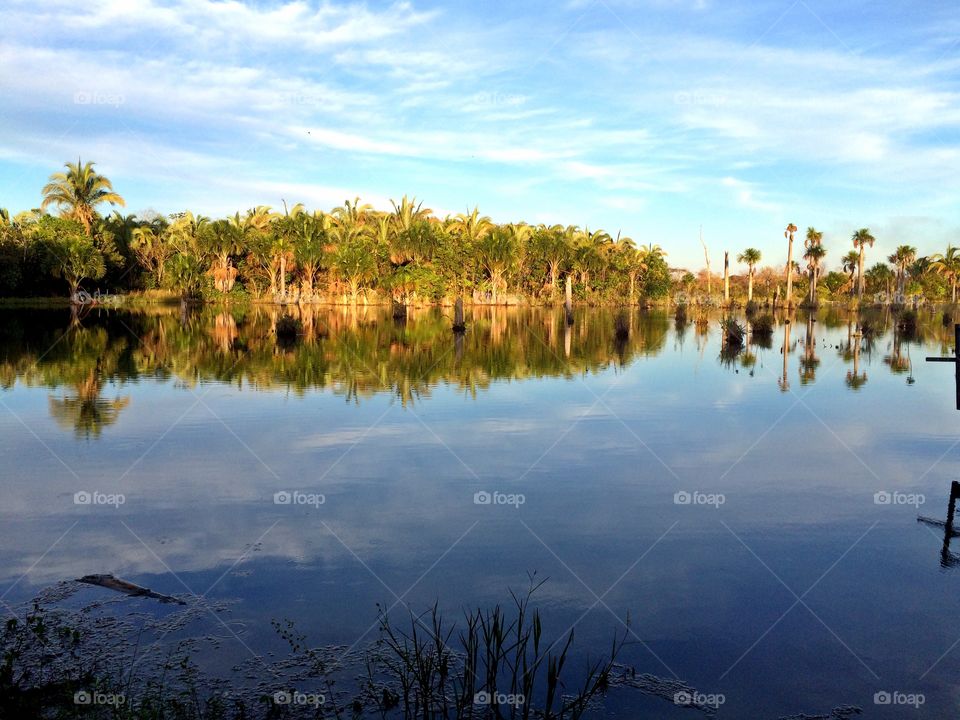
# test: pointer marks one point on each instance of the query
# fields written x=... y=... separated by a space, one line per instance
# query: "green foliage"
x=69 y=252
x=834 y=281
x=656 y=283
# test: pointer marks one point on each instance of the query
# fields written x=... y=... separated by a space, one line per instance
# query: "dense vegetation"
x=354 y=253
x=349 y=254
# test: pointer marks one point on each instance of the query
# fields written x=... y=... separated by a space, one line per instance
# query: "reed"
x=733 y=333
x=762 y=326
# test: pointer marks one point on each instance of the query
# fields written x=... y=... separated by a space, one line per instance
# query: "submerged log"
x=113 y=583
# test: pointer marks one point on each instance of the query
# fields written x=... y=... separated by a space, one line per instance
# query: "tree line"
x=354 y=253
x=351 y=253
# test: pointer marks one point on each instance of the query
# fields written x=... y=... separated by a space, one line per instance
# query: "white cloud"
x=746 y=196
x=324 y=97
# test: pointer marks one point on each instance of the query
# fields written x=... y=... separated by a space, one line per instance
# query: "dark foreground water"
x=752 y=517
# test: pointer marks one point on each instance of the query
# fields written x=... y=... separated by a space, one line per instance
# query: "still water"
x=752 y=517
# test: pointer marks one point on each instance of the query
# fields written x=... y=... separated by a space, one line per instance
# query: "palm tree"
x=222 y=240
x=629 y=260
x=406 y=214
x=881 y=276
x=947 y=264
x=750 y=256
x=551 y=244
x=351 y=214
x=902 y=259
x=409 y=236
x=310 y=248
x=814 y=254
x=850 y=261
x=861 y=238
x=78 y=191
x=590 y=252
x=652 y=252
x=788 y=233
x=355 y=261
x=471 y=227
x=497 y=252
x=151 y=250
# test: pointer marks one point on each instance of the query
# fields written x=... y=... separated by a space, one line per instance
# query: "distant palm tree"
x=947 y=264
x=351 y=213
x=750 y=256
x=78 y=191
x=471 y=226
x=407 y=213
x=850 y=261
x=861 y=238
x=788 y=233
x=498 y=252
x=151 y=250
x=902 y=259
x=881 y=276
x=814 y=254
x=409 y=237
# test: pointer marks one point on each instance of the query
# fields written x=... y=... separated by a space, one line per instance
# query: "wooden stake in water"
x=458 y=324
x=726 y=277
x=568 y=301
x=947 y=558
x=955 y=360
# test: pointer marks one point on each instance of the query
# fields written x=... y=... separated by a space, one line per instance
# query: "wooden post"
x=788 y=233
x=568 y=300
x=945 y=559
x=706 y=259
x=726 y=277
x=458 y=325
x=956 y=361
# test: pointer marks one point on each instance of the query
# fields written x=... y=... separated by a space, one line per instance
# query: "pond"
x=749 y=520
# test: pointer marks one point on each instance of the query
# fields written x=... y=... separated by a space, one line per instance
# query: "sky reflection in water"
x=799 y=593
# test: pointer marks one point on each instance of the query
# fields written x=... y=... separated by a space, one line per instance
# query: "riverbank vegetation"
x=489 y=663
x=79 y=244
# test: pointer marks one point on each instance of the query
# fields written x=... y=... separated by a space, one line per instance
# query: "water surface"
x=784 y=584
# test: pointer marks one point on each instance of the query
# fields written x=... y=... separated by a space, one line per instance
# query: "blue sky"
x=650 y=117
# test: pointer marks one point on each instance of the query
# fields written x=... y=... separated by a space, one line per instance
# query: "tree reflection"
x=359 y=352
